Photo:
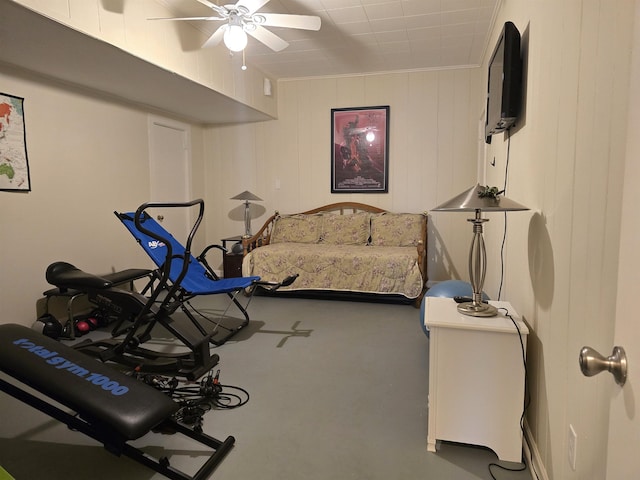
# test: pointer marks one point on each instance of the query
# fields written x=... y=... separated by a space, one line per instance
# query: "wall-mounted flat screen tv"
x=504 y=91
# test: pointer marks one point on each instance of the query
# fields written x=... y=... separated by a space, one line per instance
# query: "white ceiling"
x=357 y=36
x=365 y=36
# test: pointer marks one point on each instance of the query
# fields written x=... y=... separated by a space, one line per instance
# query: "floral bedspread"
x=354 y=268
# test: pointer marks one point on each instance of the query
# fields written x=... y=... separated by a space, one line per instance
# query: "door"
x=623 y=461
x=170 y=171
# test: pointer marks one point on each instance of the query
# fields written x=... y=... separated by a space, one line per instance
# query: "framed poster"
x=360 y=150
x=14 y=165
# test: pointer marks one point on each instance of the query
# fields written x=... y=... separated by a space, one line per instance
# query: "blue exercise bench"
x=183 y=276
x=108 y=406
x=179 y=278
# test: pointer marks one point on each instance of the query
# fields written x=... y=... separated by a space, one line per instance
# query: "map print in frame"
x=360 y=156
x=14 y=165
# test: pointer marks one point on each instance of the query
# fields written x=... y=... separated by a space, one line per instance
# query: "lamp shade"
x=471 y=200
x=246 y=195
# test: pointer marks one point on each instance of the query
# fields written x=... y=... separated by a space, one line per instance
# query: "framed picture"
x=14 y=165
x=360 y=150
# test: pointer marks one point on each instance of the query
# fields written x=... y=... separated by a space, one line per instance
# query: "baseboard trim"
x=532 y=455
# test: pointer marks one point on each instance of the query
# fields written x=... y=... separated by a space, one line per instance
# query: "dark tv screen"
x=504 y=88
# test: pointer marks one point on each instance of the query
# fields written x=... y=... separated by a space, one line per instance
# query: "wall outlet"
x=573 y=445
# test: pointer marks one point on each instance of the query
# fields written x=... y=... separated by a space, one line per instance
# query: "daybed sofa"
x=343 y=247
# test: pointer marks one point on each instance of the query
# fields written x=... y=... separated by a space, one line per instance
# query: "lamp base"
x=477 y=309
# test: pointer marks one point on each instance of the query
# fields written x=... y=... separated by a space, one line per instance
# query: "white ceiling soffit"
x=35 y=43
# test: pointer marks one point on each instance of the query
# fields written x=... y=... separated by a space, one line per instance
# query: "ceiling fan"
x=243 y=18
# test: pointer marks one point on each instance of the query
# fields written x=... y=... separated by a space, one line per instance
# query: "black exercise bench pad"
x=101 y=395
x=68 y=277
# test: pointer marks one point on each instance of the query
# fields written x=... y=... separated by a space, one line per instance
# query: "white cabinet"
x=476 y=377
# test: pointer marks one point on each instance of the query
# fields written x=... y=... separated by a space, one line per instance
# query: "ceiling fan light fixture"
x=258 y=19
x=242 y=19
x=235 y=37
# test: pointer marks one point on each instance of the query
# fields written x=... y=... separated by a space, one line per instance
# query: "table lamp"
x=246 y=196
x=478 y=199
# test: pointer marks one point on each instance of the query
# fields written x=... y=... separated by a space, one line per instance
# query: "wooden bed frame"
x=263 y=237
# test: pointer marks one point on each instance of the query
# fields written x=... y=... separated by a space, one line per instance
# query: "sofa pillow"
x=351 y=229
x=297 y=228
x=396 y=229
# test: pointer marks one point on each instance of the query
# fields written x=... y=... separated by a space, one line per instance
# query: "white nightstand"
x=476 y=378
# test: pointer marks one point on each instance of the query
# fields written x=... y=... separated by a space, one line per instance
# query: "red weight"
x=83 y=326
x=93 y=323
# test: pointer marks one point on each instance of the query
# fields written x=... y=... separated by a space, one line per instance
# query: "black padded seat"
x=101 y=394
x=66 y=276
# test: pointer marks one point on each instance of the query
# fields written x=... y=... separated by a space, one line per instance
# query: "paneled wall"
x=287 y=162
x=566 y=158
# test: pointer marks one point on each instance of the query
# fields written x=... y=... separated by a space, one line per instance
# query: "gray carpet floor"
x=338 y=390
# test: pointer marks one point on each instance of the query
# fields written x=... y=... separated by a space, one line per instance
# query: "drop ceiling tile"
x=388 y=25
x=331 y=4
x=382 y=11
x=429 y=33
x=420 y=7
x=365 y=38
x=341 y=16
x=422 y=21
x=394 y=47
x=357 y=28
x=393 y=36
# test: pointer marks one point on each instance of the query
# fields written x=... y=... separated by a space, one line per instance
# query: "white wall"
x=88 y=156
x=432 y=154
x=566 y=164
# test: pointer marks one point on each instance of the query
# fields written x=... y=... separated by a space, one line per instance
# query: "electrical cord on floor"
x=527 y=402
x=196 y=399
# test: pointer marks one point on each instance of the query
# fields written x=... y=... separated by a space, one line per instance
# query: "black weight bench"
x=114 y=279
x=108 y=406
x=141 y=310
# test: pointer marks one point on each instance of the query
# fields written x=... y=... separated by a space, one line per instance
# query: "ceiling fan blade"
x=252 y=5
x=216 y=38
x=186 y=18
x=304 y=22
x=212 y=6
x=271 y=40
